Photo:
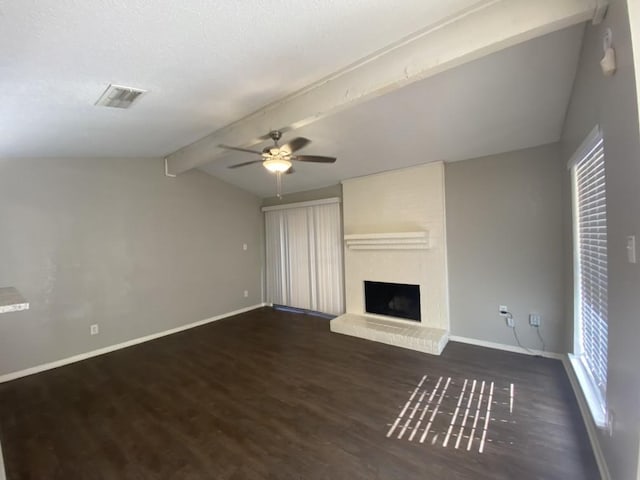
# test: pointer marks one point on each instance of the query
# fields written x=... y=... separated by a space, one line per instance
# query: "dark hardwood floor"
x=275 y=395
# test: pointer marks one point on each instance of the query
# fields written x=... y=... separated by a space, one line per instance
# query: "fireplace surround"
x=396 y=236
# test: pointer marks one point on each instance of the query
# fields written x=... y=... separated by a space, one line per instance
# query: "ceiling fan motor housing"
x=275 y=135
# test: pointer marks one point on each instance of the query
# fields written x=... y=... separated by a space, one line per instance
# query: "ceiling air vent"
x=119 y=96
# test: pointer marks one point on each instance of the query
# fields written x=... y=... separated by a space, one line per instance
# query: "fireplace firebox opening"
x=392 y=299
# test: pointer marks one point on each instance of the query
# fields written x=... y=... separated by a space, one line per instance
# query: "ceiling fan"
x=277 y=158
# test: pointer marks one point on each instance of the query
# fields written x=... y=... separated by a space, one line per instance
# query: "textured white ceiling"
x=205 y=62
x=513 y=99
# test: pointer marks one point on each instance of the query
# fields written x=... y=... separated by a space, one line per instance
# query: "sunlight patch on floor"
x=455 y=413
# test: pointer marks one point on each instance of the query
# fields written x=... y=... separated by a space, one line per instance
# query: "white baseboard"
x=101 y=351
x=505 y=347
x=592 y=429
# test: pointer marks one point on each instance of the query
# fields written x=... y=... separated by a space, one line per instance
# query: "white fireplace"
x=394 y=225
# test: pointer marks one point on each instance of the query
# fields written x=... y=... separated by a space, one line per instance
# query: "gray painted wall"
x=504 y=240
x=612 y=103
x=115 y=242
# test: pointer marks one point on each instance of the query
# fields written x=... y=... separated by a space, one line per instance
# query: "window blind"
x=304 y=257
x=590 y=227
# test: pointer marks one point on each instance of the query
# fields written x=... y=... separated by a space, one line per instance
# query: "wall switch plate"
x=510 y=322
x=504 y=310
x=534 y=319
x=246 y=293
x=94 y=329
x=244 y=246
x=631 y=248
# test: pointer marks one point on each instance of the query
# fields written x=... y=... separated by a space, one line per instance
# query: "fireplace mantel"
x=388 y=241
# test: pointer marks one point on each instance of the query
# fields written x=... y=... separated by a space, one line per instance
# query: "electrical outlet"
x=510 y=322
x=504 y=310
x=95 y=330
x=534 y=319
x=246 y=293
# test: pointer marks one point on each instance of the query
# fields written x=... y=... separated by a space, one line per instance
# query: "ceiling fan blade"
x=239 y=149
x=314 y=158
x=244 y=164
x=295 y=144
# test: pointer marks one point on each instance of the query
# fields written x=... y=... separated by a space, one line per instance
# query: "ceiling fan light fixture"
x=276 y=165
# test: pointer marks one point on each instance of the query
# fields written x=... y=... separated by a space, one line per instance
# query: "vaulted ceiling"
x=514 y=99
x=208 y=63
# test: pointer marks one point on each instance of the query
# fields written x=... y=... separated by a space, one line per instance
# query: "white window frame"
x=595 y=397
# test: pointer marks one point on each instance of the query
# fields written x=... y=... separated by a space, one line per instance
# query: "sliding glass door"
x=304 y=256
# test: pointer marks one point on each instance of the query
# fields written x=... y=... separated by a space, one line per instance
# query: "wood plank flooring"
x=275 y=395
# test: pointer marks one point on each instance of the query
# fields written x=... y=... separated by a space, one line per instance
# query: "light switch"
x=244 y=246
x=631 y=249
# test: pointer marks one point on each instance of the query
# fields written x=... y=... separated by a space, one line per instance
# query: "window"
x=590 y=272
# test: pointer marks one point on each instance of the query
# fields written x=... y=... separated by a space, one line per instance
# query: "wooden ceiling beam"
x=485 y=27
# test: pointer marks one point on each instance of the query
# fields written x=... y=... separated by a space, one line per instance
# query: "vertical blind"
x=590 y=227
x=304 y=257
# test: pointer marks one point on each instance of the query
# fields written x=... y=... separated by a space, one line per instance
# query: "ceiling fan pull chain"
x=279 y=184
